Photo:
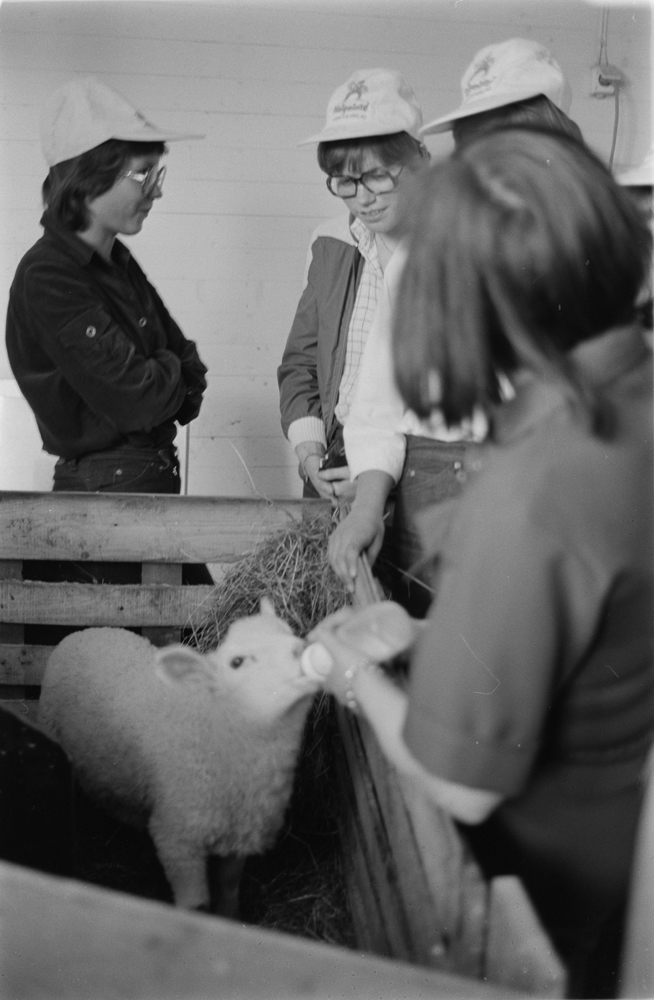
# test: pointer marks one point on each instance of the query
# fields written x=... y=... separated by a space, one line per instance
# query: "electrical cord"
x=615 y=125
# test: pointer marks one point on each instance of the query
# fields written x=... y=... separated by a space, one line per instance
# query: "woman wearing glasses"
x=369 y=149
x=105 y=368
x=103 y=365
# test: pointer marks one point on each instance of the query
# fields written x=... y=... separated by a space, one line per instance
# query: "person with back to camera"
x=369 y=149
x=390 y=451
x=529 y=709
x=105 y=368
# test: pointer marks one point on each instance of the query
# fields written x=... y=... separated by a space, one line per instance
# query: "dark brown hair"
x=69 y=184
x=340 y=154
x=522 y=247
x=535 y=112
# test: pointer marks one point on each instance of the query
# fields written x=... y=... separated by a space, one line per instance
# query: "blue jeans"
x=119 y=470
x=433 y=473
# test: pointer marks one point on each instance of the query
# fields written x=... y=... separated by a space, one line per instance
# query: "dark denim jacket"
x=95 y=351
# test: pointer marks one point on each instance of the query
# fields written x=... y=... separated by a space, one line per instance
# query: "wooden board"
x=22 y=664
x=428 y=893
x=64 y=940
x=120 y=605
x=518 y=952
x=124 y=527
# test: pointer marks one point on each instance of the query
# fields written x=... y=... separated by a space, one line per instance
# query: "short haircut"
x=348 y=154
x=69 y=184
x=522 y=246
x=535 y=112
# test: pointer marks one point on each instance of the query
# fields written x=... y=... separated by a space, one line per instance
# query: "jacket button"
x=143 y=321
x=91 y=331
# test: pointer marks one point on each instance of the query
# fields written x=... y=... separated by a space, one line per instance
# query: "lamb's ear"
x=179 y=664
x=266 y=607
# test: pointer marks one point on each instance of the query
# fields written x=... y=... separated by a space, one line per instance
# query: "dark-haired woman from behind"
x=105 y=368
x=530 y=706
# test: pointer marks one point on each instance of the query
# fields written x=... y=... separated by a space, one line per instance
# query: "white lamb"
x=200 y=748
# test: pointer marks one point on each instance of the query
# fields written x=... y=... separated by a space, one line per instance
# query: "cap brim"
x=154 y=135
x=444 y=123
x=335 y=132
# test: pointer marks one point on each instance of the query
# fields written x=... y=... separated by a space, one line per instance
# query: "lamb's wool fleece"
x=202 y=748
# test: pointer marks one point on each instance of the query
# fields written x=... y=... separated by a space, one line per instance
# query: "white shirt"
x=376 y=427
x=363 y=312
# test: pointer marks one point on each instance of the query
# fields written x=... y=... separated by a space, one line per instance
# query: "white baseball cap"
x=85 y=113
x=640 y=176
x=372 y=102
x=503 y=74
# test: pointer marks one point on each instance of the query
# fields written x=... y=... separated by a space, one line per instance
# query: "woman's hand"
x=339 y=478
x=358 y=639
x=310 y=469
x=345 y=656
x=363 y=528
x=361 y=531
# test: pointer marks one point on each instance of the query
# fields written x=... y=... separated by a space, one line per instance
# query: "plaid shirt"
x=365 y=305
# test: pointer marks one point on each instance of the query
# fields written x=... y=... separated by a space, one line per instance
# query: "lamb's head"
x=259 y=659
x=265 y=657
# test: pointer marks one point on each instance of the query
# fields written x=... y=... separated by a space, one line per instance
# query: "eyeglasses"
x=150 y=180
x=374 y=181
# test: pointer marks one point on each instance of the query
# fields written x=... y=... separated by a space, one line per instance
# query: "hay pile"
x=291 y=569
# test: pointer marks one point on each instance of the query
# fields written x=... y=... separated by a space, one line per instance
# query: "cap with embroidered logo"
x=84 y=113
x=503 y=74
x=372 y=102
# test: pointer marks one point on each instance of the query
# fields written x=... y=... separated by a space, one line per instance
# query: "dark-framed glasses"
x=374 y=181
x=150 y=180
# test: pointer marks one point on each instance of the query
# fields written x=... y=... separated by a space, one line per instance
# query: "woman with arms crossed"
x=105 y=368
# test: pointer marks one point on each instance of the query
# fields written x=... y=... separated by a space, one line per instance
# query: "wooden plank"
x=455 y=881
x=381 y=923
x=366 y=910
x=432 y=894
x=442 y=888
x=429 y=879
x=140 y=527
x=12 y=569
x=519 y=953
x=65 y=940
x=23 y=664
x=170 y=574
x=124 y=605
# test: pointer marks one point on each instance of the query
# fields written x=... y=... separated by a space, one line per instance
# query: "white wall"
x=227 y=243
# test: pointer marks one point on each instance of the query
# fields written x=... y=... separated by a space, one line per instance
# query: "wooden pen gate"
x=416 y=894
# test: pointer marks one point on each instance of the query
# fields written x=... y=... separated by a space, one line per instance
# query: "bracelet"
x=308 y=455
x=350 y=674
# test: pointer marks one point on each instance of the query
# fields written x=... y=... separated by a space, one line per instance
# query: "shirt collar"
x=364 y=239
x=602 y=361
x=82 y=252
